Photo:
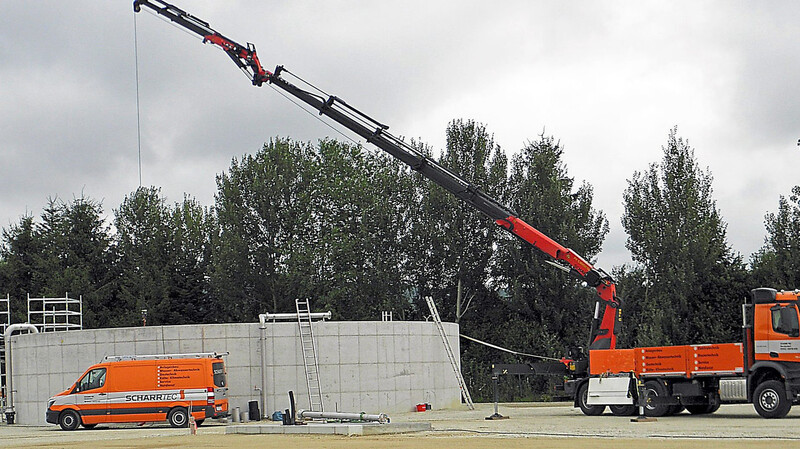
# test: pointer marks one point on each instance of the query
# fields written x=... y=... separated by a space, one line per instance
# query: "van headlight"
x=50 y=403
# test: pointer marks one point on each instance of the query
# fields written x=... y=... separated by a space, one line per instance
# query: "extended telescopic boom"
x=608 y=311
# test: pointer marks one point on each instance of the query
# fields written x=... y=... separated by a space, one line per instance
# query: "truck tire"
x=624 y=410
x=770 y=399
x=69 y=420
x=178 y=417
x=699 y=409
x=704 y=409
x=675 y=409
x=654 y=389
x=588 y=410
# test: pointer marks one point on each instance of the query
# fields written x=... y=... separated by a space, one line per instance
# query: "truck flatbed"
x=687 y=361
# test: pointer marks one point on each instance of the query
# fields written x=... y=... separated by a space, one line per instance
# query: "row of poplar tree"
x=358 y=233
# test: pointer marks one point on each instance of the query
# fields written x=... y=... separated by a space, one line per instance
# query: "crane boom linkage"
x=608 y=311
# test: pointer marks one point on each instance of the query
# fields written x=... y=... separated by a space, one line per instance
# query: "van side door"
x=91 y=396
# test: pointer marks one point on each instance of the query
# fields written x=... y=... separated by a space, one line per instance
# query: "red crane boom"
x=608 y=310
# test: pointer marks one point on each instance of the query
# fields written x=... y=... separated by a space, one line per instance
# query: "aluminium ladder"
x=461 y=384
x=5 y=321
x=309 y=349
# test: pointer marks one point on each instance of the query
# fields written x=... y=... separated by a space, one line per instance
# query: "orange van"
x=144 y=388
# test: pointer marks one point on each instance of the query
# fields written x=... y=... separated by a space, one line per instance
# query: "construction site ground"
x=540 y=425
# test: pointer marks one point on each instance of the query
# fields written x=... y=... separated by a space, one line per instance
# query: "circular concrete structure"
x=372 y=366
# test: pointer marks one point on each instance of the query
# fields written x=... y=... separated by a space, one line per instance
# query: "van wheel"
x=770 y=400
x=583 y=397
x=69 y=420
x=89 y=426
x=178 y=417
x=199 y=422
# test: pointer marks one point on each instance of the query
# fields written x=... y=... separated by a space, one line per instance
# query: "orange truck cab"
x=144 y=388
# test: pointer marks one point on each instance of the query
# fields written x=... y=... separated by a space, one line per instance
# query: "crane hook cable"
x=508 y=350
x=138 y=119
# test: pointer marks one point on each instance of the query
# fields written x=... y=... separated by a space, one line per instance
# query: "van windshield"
x=219 y=374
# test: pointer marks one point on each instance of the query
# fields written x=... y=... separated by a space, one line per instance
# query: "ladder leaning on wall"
x=5 y=321
x=453 y=362
x=309 y=349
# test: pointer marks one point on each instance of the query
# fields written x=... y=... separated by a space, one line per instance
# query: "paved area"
x=548 y=425
x=730 y=422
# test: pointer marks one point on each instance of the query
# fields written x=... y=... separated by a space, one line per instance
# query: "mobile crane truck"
x=764 y=368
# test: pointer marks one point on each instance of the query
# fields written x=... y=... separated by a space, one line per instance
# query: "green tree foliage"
x=143 y=251
x=67 y=252
x=362 y=205
x=264 y=252
x=162 y=260
x=355 y=231
x=689 y=283
x=18 y=252
x=540 y=190
x=777 y=263
x=190 y=297
x=76 y=254
x=453 y=240
x=534 y=307
x=324 y=223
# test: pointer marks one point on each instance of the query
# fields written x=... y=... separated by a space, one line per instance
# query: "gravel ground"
x=529 y=425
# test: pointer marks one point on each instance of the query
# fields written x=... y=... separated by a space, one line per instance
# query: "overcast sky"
x=606 y=78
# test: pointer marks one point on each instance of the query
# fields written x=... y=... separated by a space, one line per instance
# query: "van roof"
x=194 y=355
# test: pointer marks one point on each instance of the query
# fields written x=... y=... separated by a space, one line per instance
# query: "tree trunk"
x=459 y=296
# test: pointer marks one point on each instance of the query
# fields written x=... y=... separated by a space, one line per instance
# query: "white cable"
x=508 y=350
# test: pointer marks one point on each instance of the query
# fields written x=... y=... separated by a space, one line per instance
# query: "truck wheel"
x=178 y=417
x=705 y=409
x=698 y=409
x=69 y=420
x=623 y=410
x=770 y=399
x=655 y=389
x=675 y=409
x=588 y=410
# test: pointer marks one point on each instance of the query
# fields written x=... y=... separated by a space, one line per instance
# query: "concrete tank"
x=371 y=366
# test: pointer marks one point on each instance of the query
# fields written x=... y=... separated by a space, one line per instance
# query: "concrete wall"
x=364 y=366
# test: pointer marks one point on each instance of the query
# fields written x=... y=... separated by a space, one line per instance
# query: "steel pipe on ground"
x=381 y=418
